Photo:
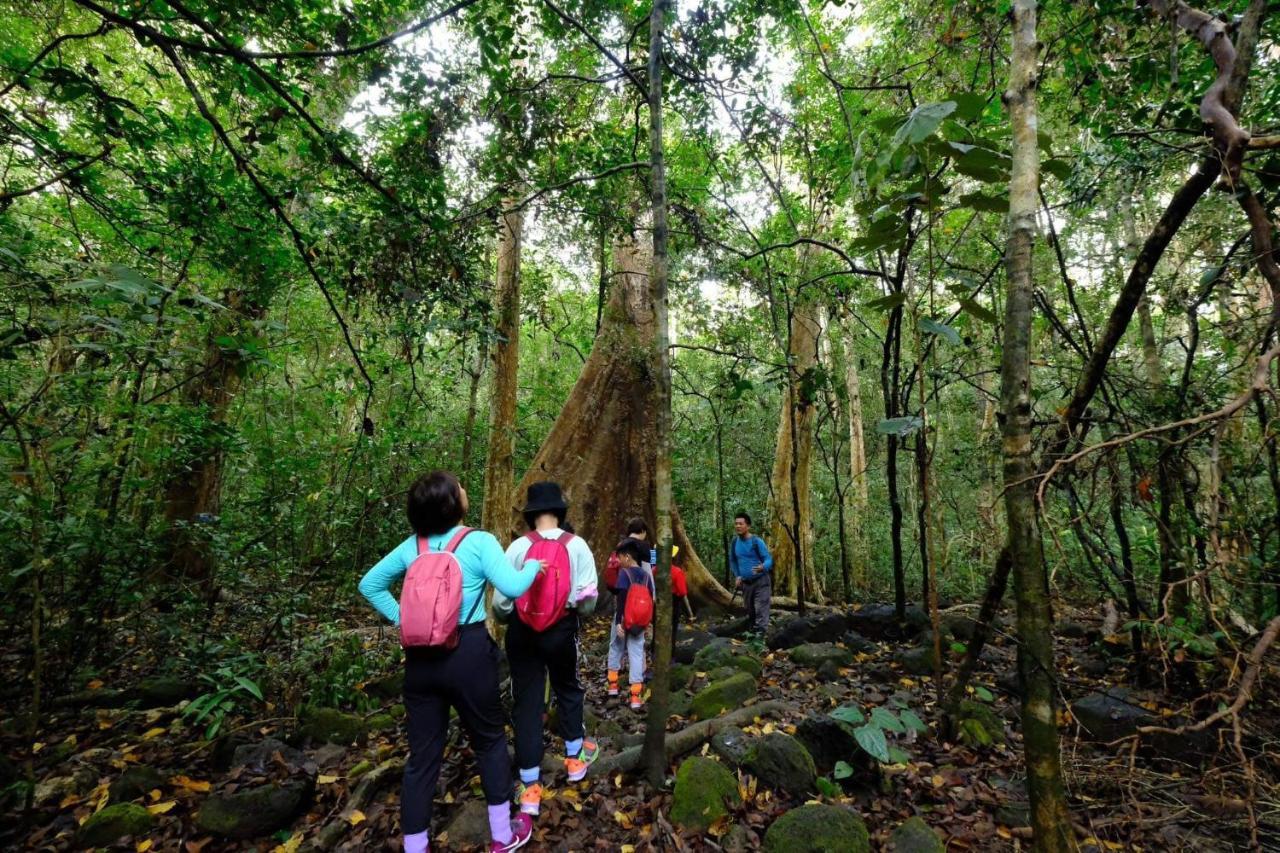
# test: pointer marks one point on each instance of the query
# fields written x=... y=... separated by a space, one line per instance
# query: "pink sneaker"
x=521 y=832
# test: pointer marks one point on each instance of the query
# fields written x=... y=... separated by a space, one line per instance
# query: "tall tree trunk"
x=858 y=475
x=603 y=445
x=889 y=383
x=473 y=398
x=1050 y=819
x=790 y=499
x=655 y=730
x=499 y=469
x=193 y=493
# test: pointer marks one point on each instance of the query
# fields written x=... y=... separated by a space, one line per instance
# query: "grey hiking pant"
x=756 y=595
x=633 y=645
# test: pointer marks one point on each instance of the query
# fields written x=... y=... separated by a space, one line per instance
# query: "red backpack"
x=544 y=603
x=638 y=612
x=431 y=598
x=611 y=570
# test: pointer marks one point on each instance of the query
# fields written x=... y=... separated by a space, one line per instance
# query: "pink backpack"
x=431 y=598
x=543 y=605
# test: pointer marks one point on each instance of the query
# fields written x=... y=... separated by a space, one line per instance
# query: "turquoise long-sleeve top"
x=482 y=561
x=748 y=553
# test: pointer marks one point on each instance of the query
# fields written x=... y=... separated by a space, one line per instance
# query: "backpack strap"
x=423 y=546
x=457 y=539
x=533 y=537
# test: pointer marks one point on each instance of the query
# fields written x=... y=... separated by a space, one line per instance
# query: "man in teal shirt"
x=752 y=567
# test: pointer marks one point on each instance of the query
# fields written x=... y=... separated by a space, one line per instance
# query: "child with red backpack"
x=450 y=660
x=637 y=529
x=542 y=640
x=634 y=613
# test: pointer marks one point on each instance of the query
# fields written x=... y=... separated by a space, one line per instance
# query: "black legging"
x=534 y=658
x=467 y=679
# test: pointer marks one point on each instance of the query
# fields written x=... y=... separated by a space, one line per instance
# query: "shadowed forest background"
x=971 y=305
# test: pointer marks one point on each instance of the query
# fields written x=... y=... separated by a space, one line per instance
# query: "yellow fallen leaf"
x=356 y=817
x=628 y=848
x=96 y=684
x=623 y=819
x=152 y=733
x=143 y=846
x=198 y=785
x=325 y=779
x=155 y=795
x=569 y=794
x=617 y=780
x=36 y=747
x=938 y=781
x=162 y=808
x=1003 y=833
x=906 y=682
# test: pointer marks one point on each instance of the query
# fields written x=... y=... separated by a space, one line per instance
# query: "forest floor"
x=971 y=795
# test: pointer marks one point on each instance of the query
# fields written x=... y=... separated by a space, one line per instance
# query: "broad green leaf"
x=873 y=741
x=250 y=686
x=886 y=719
x=933 y=327
x=922 y=122
x=842 y=770
x=888 y=303
x=913 y=722
x=978 y=310
x=983 y=693
x=849 y=714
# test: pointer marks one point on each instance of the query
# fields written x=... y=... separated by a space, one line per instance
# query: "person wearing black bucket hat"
x=542 y=641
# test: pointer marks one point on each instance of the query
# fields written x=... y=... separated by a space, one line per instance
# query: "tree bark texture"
x=1050 y=819
x=655 y=730
x=499 y=469
x=790 y=495
x=602 y=447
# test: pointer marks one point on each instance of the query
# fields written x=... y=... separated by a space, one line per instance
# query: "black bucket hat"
x=544 y=496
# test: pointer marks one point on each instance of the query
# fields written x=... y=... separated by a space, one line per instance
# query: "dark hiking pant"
x=534 y=658
x=757 y=594
x=466 y=679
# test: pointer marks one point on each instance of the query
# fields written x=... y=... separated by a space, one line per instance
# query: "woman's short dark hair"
x=531 y=517
x=435 y=503
x=637 y=525
x=743 y=515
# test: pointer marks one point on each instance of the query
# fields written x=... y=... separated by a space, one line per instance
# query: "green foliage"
x=232 y=689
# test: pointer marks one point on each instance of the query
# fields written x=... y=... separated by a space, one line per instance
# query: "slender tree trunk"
x=1050 y=818
x=655 y=731
x=859 y=500
x=499 y=470
x=473 y=396
x=790 y=505
x=889 y=368
x=1128 y=579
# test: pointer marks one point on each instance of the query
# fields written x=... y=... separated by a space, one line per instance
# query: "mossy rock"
x=329 y=725
x=680 y=704
x=816 y=654
x=731 y=743
x=381 y=723
x=781 y=762
x=720 y=673
x=705 y=791
x=386 y=687
x=979 y=725
x=398 y=711
x=681 y=676
x=135 y=782
x=719 y=652
x=917 y=661
x=915 y=836
x=747 y=664
x=818 y=829
x=723 y=695
x=254 y=812
x=113 y=823
x=163 y=691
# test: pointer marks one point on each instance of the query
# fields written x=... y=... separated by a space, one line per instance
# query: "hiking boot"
x=530 y=798
x=577 y=766
x=637 y=702
x=613 y=684
x=521 y=832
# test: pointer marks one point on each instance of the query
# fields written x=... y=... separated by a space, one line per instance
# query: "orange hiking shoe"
x=613 y=682
x=577 y=765
x=637 y=702
x=530 y=797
